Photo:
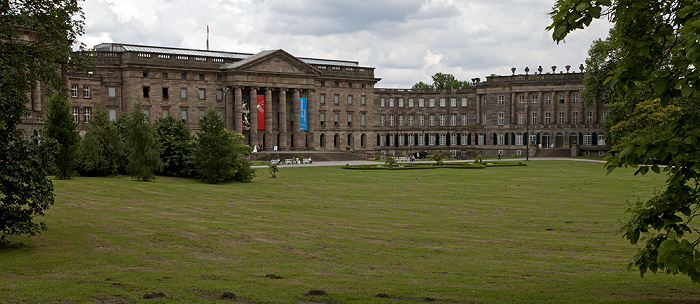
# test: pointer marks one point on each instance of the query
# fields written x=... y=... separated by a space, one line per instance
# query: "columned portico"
x=283 y=126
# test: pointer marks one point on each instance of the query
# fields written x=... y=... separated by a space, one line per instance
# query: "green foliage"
x=144 y=158
x=657 y=43
x=176 y=147
x=59 y=126
x=220 y=153
x=273 y=169
x=24 y=189
x=442 y=81
x=390 y=161
x=479 y=158
x=102 y=152
x=438 y=157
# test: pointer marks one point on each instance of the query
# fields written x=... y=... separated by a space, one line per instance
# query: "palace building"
x=282 y=102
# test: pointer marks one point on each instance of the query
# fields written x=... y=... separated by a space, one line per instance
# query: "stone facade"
x=345 y=112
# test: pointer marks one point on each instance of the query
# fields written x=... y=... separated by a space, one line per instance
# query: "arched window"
x=323 y=140
x=336 y=140
x=362 y=140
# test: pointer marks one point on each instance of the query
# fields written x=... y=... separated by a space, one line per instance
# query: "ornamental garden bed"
x=420 y=166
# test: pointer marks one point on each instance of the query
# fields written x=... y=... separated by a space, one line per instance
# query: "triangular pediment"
x=275 y=61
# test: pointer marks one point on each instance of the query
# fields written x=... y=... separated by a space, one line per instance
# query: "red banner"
x=261 y=112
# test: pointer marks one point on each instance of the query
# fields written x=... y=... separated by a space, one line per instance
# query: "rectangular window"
x=391 y=102
x=432 y=139
x=74 y=91
x=323 y=99
x=336 y=99
x=201 y=76
x=481 y=139
x=534 y=98
x=391 y=120
x=534 y=118
x=464 y=102
x=547 y=118
x=587 y=139
x=349 y=119
x=363 y=119
x=561 y=118
x=382 y=103
x=183 y=115
x=86 y=91
x=336 y=119
x=453 y=120
x=410 y=102
x=201 y=94
x=400 y=102
x=589 y=118
x=111 y=74
x=521 y=99
x=442 y=120
x=201 y=114
x=500 y=118
x=548 y=99
x=166 y=96
x=561 y=98
x=145 y=74
x=410 y=121
x=87 y=111
x=521 y=118
x=442 y=102
x=400 y=120
x=183 y=76
x=111 y=92
x=574 y=118
x=421 y=139
x=601 y=140
x=322 y=118
x=363 y=100
x=146 y=92
x=165 y=75
x=349 y=100
x=421 y=120
x=421 y=102
x=148 y=113
x=464 y=119
x=75 y=115
x=183 y=93
x=219 y=94
x=112 y=114
x=501 y=140
x=453 y=102
x=483 y=120
x=431 y=103
x=574 y=98
x=501 y=100
x=431 y=120
x=603 y=116
x=166 y=113
x=443 y=139
x=519 y=139
x=382 y=120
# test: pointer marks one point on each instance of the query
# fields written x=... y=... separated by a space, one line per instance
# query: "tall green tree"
x=220 y=153
x=176 y=147
x=442 y=81
x=101 y=153
x=144 y=157
x=59 y=125
x=25 y=191
x=659 y=44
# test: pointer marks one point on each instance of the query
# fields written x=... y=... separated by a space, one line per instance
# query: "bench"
x=289 y=161
x=306 y=161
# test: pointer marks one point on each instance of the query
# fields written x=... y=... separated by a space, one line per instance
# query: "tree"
x=25 y=192
x=176 y=147
x=144 y=158
x=438 y=157
x=443 y=81
x=59 y=125
x=219 y=154
x=101 y=153
x=658 y=44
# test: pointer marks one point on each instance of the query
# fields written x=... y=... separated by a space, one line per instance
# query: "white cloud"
x=405 y=40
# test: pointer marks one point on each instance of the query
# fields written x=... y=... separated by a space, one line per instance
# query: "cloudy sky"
x=405 y=40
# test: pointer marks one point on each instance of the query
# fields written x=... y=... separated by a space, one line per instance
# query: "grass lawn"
x=545 y=233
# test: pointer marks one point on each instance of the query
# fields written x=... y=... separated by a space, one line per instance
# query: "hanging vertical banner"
x=302 y=114
x=261 y=112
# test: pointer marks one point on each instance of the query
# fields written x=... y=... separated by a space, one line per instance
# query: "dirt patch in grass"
x=111 y=300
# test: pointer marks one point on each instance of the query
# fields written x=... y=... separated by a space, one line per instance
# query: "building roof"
x=118 y=47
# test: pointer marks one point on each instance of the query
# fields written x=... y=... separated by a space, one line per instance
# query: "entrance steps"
x=555 y=152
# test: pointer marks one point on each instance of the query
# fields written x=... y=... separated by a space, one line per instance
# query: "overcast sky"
x=405 y=40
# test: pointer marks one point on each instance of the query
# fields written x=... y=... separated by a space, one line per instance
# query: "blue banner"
x=302 y=114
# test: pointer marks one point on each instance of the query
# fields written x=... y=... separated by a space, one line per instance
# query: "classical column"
x=295 y=112
x=254 y=116
x=311 y=119
x=555 y=108
x=540 y=102
x=512 y=107
x=237 y=110
x=282 y=124
x=478 y=108
x=269 y=109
